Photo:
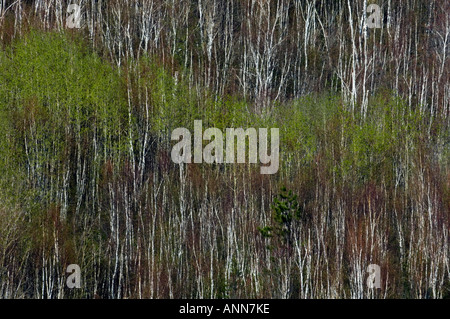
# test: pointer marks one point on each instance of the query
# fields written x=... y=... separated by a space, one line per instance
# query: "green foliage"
x=71 y=123
x=55 y=90
x=286 y=210
x=173 y=103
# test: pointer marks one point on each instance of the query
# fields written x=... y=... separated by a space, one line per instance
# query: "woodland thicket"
x=86 y=176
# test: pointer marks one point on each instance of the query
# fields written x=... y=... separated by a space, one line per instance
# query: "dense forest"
x=86 y=175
